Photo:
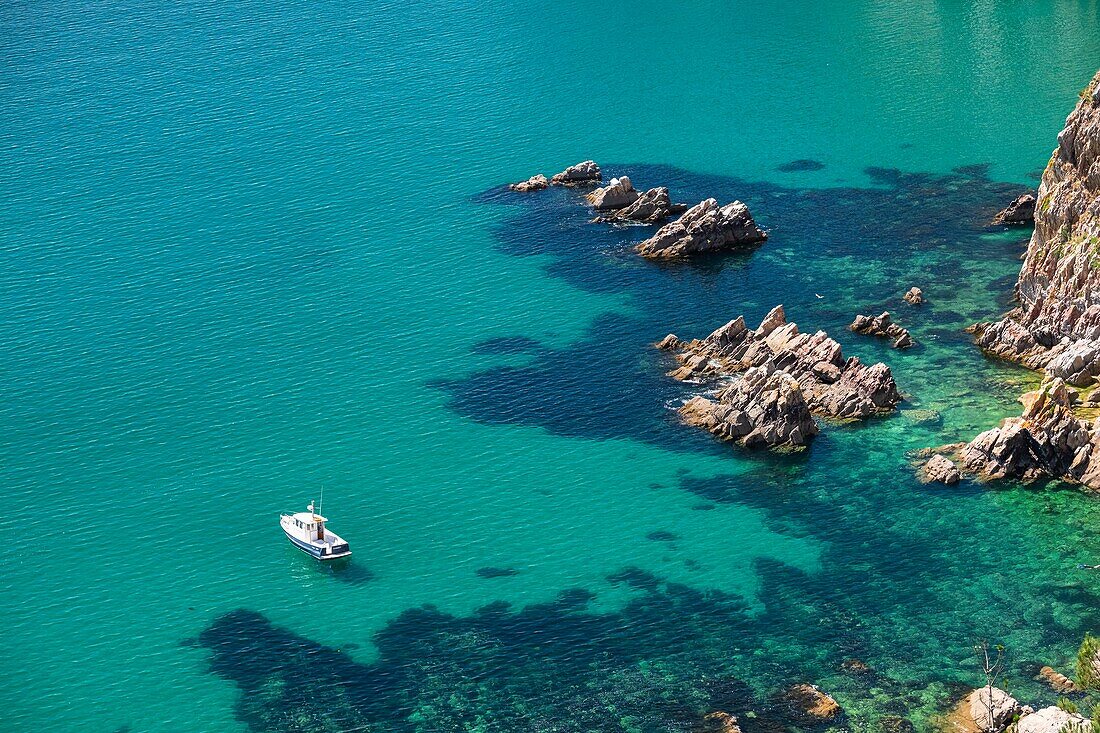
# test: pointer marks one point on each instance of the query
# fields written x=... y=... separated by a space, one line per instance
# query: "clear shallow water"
x=250 y=250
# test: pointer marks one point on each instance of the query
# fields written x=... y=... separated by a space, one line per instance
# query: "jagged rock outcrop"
x=651 y=207
x=808 y=705
x=1019 y=213
x=536 y=182
x=619 y=192
x=883 y=327
x=1053 y=720
x=939 y=469
x=913 y=296
x=832 y=385
x=586 y=173
x=1046 y=440
x=765 y=408
x=705 y=227
x=1059 y=283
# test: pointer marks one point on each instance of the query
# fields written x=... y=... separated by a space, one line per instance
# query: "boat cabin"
x=310 y=525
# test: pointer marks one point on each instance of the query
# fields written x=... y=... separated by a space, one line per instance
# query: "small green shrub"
x=1088 y=677
x=1064 y=703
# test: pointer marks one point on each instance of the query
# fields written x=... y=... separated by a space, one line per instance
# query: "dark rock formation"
x=1019 y=213
x=883 y=327
x=913 y=296
x=808 y=705
x=615 y=195
x=765 y=408
x=651 y=207
x=940 y=469
x=832 y=385
x=1047 y=440
x=586 y=173
x=705 y=227
x=536 y=182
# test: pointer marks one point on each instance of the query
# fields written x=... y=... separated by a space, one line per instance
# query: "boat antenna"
x=321 y=503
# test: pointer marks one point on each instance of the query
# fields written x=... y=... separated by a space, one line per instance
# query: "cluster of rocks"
x=992 y=710
x=794 y=372
x=705 y=227
x=1020 y=212
x=586 y=173
x=884 y=327
x=913 y=296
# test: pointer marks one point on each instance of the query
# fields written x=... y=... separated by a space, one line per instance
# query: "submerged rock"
x=615 y=195
x=1058 y=681
x=534 y=183
x=883 y=327
x=855 y=667
x=942 y=470
x=895 y=724
x=720 y=722
x=1018 y=213
x=586 y=173
x=705 y=227
x=765 y=408
x=832 y=385
x=808 y=705
x=913 y=296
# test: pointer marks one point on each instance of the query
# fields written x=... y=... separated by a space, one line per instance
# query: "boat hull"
x=314 y=551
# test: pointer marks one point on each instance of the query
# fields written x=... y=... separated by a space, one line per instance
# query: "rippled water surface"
x=250 y=250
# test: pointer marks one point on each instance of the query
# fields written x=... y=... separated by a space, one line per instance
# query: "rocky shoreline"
x=1055 y=328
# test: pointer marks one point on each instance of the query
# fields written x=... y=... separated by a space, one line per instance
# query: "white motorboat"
x=306 y=531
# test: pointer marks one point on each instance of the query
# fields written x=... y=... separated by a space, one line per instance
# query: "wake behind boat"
x=306 y=531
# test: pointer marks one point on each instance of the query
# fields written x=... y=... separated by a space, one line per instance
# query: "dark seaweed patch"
x=662 y=536
x=493 y=572
x=803 y=164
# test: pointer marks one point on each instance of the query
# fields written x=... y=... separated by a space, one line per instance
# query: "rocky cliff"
x=1056 y=326
x=1059 y=284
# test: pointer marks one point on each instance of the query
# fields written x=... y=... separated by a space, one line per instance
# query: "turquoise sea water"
x=250 y=250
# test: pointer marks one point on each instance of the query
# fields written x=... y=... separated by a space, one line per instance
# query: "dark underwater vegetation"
x=910 y=577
